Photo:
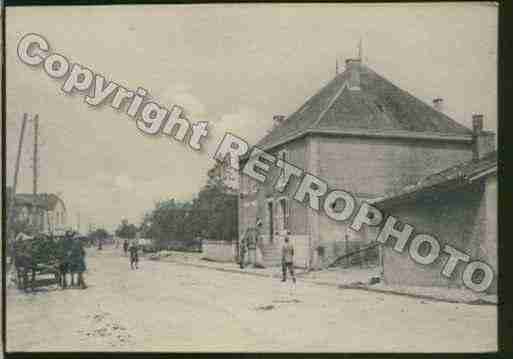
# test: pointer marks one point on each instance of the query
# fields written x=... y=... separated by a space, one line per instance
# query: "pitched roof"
x=46 y=201
x=461 y=174
x=379 y=107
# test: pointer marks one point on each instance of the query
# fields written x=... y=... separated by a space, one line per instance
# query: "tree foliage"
x=211 y=215
x=99 y=233
x=126 y=230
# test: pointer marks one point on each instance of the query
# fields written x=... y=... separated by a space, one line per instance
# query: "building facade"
x=458 y=206
x=43 y=212
x=361 y=134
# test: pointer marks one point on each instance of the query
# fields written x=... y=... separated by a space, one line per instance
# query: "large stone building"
x=362 y=134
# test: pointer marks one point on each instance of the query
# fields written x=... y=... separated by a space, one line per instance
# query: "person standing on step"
x=243 y=249
x=287 y=259
x=250 y=242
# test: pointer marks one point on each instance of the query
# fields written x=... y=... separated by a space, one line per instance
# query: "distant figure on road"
x=287 y=259
x=134 y=255
x=125 y=246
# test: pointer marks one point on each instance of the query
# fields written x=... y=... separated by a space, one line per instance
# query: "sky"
x=234 y=66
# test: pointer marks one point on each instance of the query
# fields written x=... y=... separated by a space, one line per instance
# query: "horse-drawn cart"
x=36 y=256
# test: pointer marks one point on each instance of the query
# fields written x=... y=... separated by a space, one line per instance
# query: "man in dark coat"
x=77 y=262
x=23 y=260
x=242 y=250
x=125 y=246
x=134 y=255
x=287 y=259
x=63 y=257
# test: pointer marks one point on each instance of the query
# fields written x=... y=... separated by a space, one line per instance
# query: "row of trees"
x=212 y=214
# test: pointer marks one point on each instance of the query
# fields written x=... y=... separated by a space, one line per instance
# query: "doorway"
x=270 y=219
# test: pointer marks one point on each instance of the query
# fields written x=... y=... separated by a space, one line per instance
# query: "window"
x=280 y=185
x=283 y=155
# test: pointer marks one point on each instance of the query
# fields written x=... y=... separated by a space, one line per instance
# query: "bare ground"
x=172 y=307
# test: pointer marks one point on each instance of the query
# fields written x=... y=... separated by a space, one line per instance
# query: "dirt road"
x=172 y=307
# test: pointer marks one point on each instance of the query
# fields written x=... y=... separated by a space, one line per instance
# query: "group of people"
x=249 y=243
x=132 y=248
x=71 y=260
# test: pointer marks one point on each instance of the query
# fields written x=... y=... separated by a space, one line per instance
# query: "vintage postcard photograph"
x=251 y=178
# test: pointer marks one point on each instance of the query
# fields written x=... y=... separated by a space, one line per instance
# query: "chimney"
x=278 y=119
x=438 y=104
x=353 y=67
x=483 y=141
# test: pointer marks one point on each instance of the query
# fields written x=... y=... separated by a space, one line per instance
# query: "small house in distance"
x=360 y=133
x=44 y=212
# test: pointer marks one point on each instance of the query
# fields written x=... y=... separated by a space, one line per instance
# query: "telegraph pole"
x=35 y=159
x=16 y=171
x=34 y=168
x=18 y=155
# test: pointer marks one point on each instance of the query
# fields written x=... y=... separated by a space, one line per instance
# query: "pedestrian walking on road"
x=287 y=259
x=125 y=246
x=134 y=255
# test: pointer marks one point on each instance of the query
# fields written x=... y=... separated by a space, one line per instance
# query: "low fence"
x=348 y=254
x=192 y=245
x=219 y=251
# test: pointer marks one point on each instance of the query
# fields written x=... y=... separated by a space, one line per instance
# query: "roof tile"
x=379 y=105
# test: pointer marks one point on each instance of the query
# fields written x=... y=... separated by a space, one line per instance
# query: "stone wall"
x=376 y=166
x=372 y=167
x=219 y=251
x=366 y=167
x=465 y=218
